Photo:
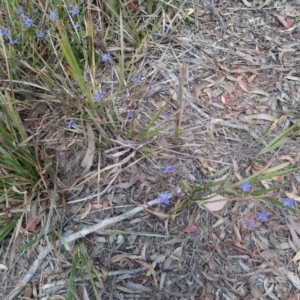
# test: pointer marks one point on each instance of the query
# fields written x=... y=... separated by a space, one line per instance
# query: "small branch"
x=73 y=237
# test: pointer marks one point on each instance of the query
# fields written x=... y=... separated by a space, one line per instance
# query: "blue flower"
x=106 y=58
x=74 y=11
x=99 y=96
x=288 y=202
x=130 y=113
x=76 y=25
x=70 y=124
x=263 y=216
x=53 y=15
x=164 y=198
x=27 y=21
x=40 y=34
x=13 y=42
x=245 y=186
x=137 y=80
x=4 y=31
x=20 y=9
x=169 y=169
x=250 y=223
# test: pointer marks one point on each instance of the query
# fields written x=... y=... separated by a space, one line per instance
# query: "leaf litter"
x=235 y=74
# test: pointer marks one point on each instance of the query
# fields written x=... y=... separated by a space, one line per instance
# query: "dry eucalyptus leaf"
x=254 y=290
x=215 y=203
x=190 y=229
x=241 y=84
x=34 y=113
x=3 y=267
x=162 y=143
x=295 y=237
x=294 y=279
x=98 y=43
x=87 y=161
x=33 y=220
x=246 y=3
x=287 y=23
x=210 y=277
x=133 y=179
x=146 y=265
x=97 y=206
x=296 y=257
x=28 y=291
x=290 y=195
x=86 y=211
x=287 y=157
x=175 y=255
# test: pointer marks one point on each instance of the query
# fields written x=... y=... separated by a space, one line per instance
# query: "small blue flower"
x=262 y=216
x=164 y=198
x=53 y=15
x=250 y=223
x=76 y=25
x=130 y=113
x=74 y=11
x=27 y=21
x=4 y=31
x=288 y=202
x=245 y=186
x=40 y=34
x=137 y=80
x=13 y=42
x=99 y=96
x=106 y=58
x=169 y=169
x=70 y=124
x=20 y=9
x=15 y=144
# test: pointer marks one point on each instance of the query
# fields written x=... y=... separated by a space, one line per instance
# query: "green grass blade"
x=6 y=229
x=71 y=281
x=279 y=140
x=144 y=133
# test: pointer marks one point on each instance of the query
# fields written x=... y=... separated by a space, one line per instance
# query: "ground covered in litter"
x=232 y=80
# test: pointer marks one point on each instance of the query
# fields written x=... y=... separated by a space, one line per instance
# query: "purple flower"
x=164 y=198
x=262 y=216
x=74 y=11
x=288 y=202
x=250 y=223
x=27 y=21
x=137 y=80
x=130 y=113
x=169 y=169
x=99 y=95
x=53 y=15
x=245 y=186
x=106 y=58
x=4 y=31
x=70 y=124
x=76 y=25
x=40 y=34
x=20 y=9
x=13 y=42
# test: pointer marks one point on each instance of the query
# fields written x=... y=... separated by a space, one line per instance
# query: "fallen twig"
x=82 y=233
